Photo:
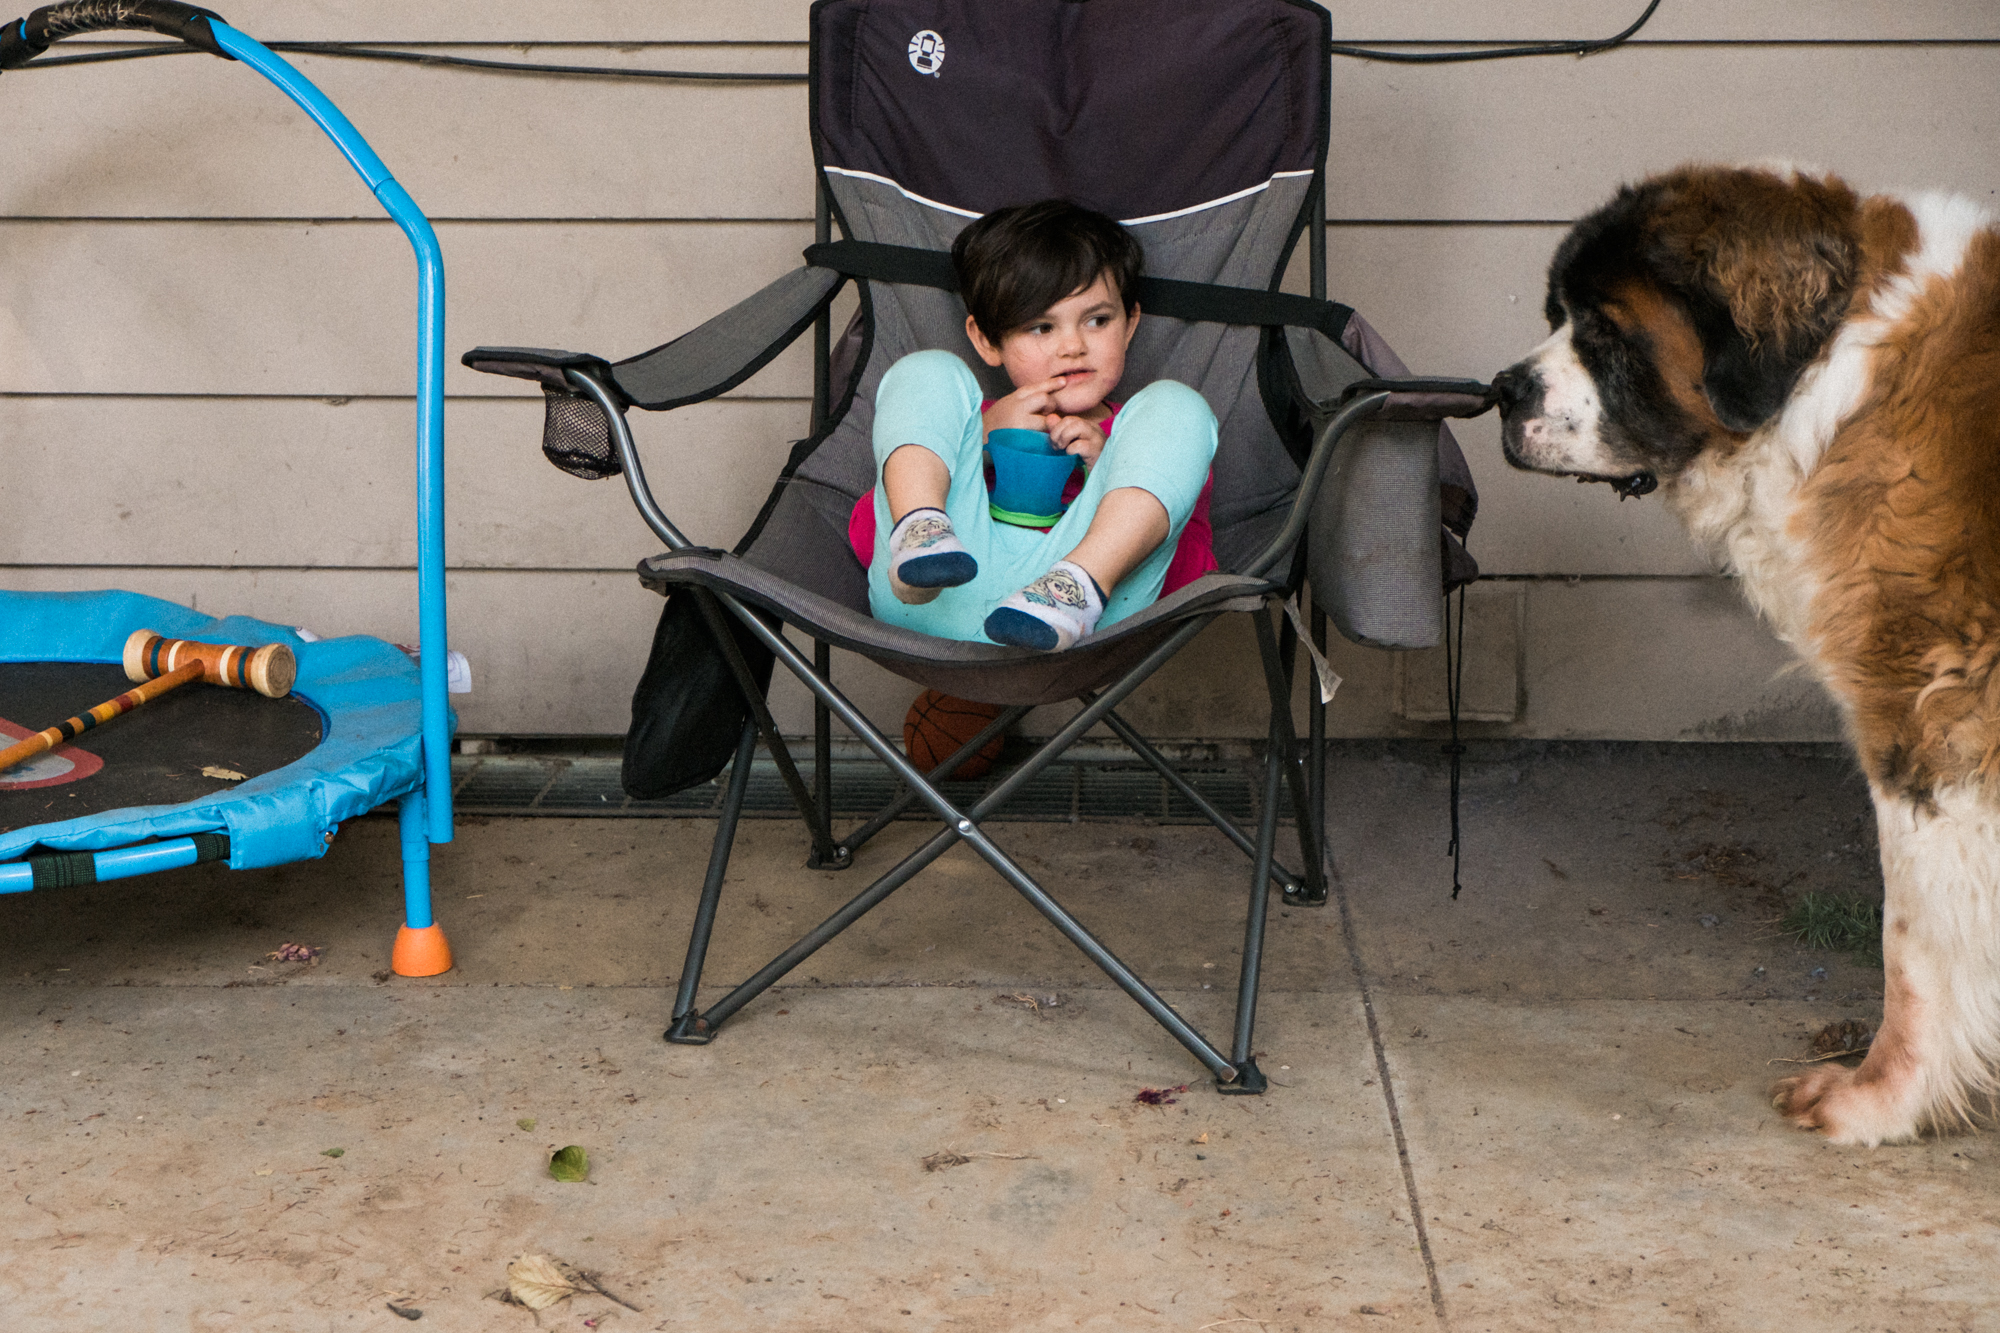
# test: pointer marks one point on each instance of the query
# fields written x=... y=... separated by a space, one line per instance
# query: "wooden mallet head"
x=269 y=670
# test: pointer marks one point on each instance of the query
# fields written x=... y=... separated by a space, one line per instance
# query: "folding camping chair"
x=1203 y=125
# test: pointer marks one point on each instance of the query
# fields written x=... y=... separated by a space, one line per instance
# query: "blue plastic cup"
x=1029 y=474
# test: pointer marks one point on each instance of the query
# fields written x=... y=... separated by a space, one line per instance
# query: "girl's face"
x=1081 y=339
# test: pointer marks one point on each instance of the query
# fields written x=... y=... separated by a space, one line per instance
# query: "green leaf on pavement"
x=569 y=1164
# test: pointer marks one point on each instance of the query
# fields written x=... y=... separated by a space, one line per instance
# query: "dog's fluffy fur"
x=1812 y=378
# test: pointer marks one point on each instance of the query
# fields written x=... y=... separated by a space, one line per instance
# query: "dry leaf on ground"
x=950 y=1157
x=1847 y=1037
x=536 y=1282
x=1035 y=1004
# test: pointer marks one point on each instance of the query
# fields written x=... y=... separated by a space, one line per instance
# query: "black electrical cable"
x=1499 y=51
x=347 y=50
x=352 y=52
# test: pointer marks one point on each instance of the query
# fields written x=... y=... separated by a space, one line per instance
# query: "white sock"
x=926 y=557
x=1052 y=613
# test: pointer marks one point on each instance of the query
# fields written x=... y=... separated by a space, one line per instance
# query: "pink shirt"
x=1194 y=554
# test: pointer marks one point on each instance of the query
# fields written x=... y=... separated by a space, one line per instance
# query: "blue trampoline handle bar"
x=118 y=863
x=432 y=666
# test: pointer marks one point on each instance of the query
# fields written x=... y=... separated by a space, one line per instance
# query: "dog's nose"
x=1511 y=386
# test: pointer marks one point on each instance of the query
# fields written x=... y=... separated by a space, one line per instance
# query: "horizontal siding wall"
x=203 y=314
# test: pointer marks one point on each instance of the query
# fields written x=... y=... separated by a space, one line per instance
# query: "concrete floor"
x=1540 y=1106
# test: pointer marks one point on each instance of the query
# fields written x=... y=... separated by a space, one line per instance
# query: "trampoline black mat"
x=153 y=755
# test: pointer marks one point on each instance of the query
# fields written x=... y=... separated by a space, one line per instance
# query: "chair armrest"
x=580 y=430
x=544 y=365
x=720 y=354
x=1329 y=376
x=1422 y=399
x=703 y=362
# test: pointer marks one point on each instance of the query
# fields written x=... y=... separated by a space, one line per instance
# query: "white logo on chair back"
x=926 y=52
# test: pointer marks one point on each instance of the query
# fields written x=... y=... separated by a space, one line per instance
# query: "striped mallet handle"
x=164 y=664
x=104 y=712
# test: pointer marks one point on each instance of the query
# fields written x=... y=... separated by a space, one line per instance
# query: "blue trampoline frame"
x=377 y=747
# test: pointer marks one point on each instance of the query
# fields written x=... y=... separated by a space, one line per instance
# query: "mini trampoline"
x=210 y=774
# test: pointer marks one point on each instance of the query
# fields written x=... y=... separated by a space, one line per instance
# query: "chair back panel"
x=1135 y=108
x=1199 y=124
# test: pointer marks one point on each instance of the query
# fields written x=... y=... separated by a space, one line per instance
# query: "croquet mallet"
x=163 y=664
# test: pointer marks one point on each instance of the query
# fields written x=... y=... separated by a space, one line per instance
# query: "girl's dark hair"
x=1016 y=262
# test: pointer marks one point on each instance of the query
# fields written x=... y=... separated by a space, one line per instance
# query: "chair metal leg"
x=1292 y=884
x=823 y=768
x=1281 y=760
x=964 y=826
x=908 y=797
x=1279 y=681
x=688 y=1027
x=1251 y=1080
x=760 y=712
x=1284 y=878
x=1299 y=778
x=1316 y=747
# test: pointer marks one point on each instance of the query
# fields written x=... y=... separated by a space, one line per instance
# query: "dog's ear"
x=1746 y=380
x=1768 y=262
x=1786 y=286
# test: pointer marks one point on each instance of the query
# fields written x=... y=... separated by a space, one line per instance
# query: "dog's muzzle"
x=1518 y=392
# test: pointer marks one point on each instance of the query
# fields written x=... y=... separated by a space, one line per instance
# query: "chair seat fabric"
x=990 y=673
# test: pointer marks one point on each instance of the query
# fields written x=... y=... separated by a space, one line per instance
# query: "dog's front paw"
x=1802 y=1099
x=1831 y=1100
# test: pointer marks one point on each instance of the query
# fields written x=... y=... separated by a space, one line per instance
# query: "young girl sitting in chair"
x=1049 y=288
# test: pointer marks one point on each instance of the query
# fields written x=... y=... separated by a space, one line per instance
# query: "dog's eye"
x=1597 y=333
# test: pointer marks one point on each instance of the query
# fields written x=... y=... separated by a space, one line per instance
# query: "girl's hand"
x=1074 y=435
x=1027 y=408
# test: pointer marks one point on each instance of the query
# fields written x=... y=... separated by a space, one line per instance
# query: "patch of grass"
x=1842 y=921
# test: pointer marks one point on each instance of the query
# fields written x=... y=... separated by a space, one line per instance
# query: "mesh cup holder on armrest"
x=576 y=437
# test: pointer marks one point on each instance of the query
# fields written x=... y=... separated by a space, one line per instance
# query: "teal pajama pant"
x=1162 y=442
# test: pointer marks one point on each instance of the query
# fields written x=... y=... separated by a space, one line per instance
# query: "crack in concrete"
x=1339 y=892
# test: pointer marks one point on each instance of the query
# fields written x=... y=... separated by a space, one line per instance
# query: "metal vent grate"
x=1067 y=791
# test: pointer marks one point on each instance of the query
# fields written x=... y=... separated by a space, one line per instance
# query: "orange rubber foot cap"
x=421 y=953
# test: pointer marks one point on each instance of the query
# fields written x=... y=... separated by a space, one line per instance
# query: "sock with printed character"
x=926 y=557
x=1052 y=613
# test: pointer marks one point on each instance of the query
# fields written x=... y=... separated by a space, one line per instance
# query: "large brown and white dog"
x=1812 y=380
